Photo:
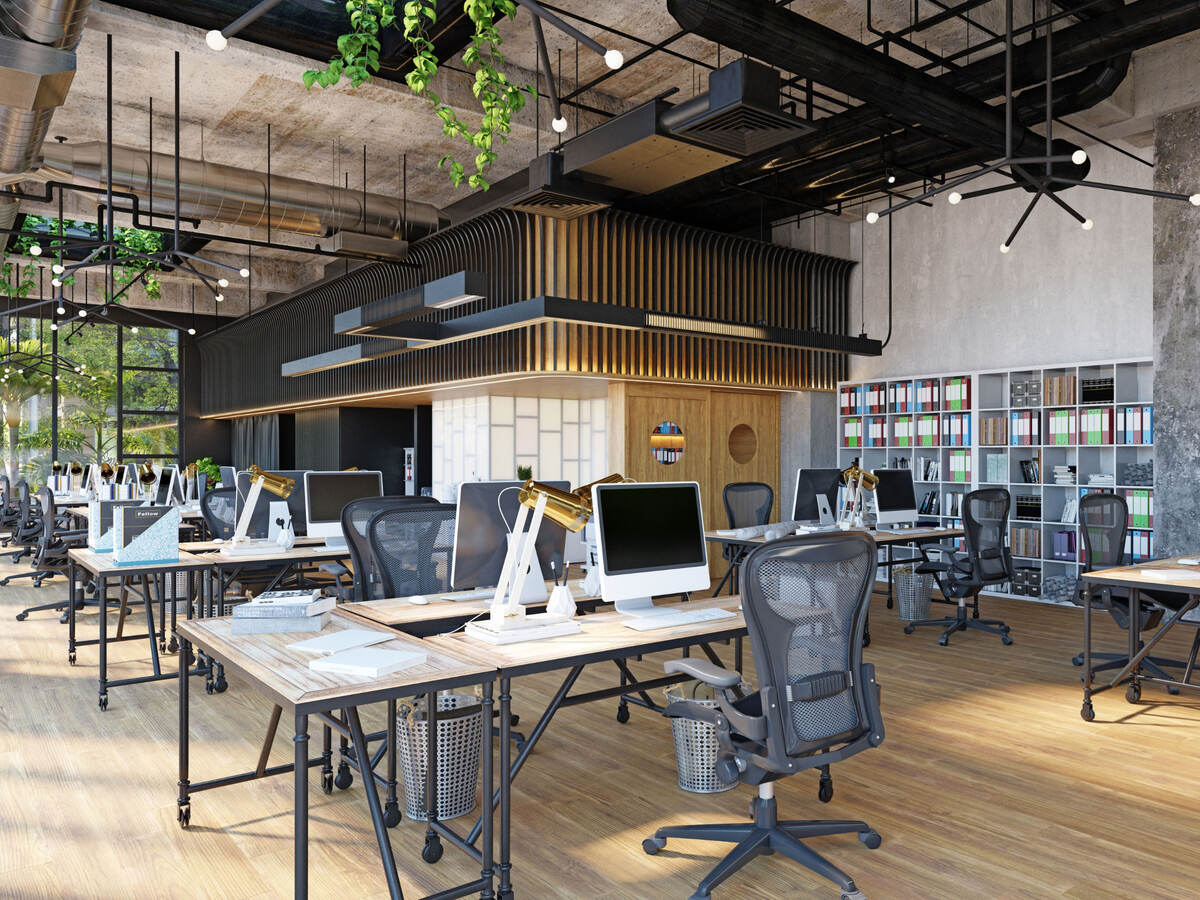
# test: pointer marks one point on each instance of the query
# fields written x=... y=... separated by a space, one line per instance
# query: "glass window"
x=151 y=389
x=150 y=436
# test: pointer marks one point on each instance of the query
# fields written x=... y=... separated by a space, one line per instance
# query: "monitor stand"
x=637 y=607
x=250 y=547
x=337 y=542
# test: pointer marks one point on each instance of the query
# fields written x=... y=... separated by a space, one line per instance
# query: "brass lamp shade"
x=865 y=479
x=56 y=467
x=190 y=471
x=76 y=467
x=146 y=474
x=279 y=485
x=570 y=509
x=106 y=471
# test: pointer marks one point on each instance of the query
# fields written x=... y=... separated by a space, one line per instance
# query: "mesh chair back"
x=23 y=502
x=368 y=581
x=412 y=544
x=985 y=523
x=805 y=601
x=748 y=503
x=1103 y=519
x=46 y=500
x=219 y=511
x=5 y=497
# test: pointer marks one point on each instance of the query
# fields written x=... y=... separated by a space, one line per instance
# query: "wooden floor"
x=988 y=785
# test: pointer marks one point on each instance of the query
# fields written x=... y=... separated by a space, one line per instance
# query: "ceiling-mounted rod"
x=612 y=58
x=219 y=40
x=557 y=122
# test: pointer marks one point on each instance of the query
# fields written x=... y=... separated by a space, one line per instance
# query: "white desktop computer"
x=326 y=495
x=895 y=497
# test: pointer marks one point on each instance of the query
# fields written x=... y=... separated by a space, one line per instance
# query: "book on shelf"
x=956 y=430
x=900 y=397
x=997 y=468
x=852 y=432
x=277 y=624
x=929 y=395
x=927 y=431
x=902 y=431
x=1070 y=513
x=1101 y=479
x=993 y=431
x=1063 y=425
x=285 y=604
x=1139 y=544
x=958 y=393
x=1028 y=506
x=1140 y=504
x=1097 y=390
x=1064 y=474
x=1031 y=471
x=930 y=470
x=929 y=505
x=1135 y=425
x=1025 y=542
x=1024 y=428
x=1063 y=546
x=1058 y=390
x=960 y=465
x=1096 y=426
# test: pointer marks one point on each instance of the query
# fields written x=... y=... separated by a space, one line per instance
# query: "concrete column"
x=808 y=431
x=1177 y=336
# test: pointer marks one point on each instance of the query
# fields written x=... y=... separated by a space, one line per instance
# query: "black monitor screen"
x=487 y=511
x=894 y=493
x=809 y=483
x=650 y=526
x=329 y=492
x=163 y=497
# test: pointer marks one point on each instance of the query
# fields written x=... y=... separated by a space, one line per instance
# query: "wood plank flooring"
x=988 y=785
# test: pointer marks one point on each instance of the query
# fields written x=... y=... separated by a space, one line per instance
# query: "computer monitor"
x=895 y=498
x=487 y=512
x=809 y=484
x=228 y=476
x=260 y=521
x=166 y=485
x=85 y=479
x=650 y=542
x=119 y=476
x=326 y=495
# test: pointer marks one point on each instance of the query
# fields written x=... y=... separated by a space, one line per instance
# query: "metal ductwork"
x=235 y=196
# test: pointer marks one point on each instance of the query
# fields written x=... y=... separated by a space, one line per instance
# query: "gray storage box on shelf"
x=913 y=591
x=696 y=746
x=459 y=736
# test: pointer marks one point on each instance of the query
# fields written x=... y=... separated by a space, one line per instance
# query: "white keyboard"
x=655 y=621
x=464 y=596
x=757 y=531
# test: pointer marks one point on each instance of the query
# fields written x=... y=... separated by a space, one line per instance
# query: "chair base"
x=961 y=622
x=767 y=835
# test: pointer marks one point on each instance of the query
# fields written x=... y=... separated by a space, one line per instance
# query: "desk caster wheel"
x=870 y=838
x=1005 y=640
x=103 y=702
x=344 y=778
x=21 y=617
x=327 y=782
x=514 y=720
x=208 y=686
x=184 y=816
x=391 y=815
x=220 y=685
x=71 y=657
x=173 y=645
x=908 y=629
x=699 y=896
x=162 y=646
x=432 y=851
x=652 y=845
x=825 y=791
x=623 y=713
x=944 y=641
x=1088 y=712
x=1133 y=692
x=853 y=895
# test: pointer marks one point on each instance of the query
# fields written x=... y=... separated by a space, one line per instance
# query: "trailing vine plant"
x=499 y=98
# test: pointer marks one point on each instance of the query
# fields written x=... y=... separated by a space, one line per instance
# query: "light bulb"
x=245 y=273
x=58 y=378
x=222 y=282
x=191 y=331
x=134 y=329
x=62 y=310
x=955 y=198
x=891 y=177
x=54 y=326
x=83 y=314
x=613 y=59
x=559 y=124
x=56 y=282
x=1194 y=199
x=1087 y=224
x=57 y=269
x=219 y=297
x=35 y=249
x=1004 y=248
x=216 y=40
x=1079 y=157
x=872 y=217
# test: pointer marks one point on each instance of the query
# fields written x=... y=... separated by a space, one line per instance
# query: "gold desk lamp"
x=507 y=622
x=858 y=482
x=279 y=485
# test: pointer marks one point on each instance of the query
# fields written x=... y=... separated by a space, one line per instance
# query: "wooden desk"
x=1156 y=575
x=602 y=638
x=283 y=676
x=103 y=570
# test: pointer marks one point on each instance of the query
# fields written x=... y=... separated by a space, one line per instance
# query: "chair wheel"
x=1005 y=640
x=853 y=895
x=184 y=816
x=104 y=701
x=652 y=845
x=344 y=778
x=21 y=617
x=432 y=851
x=327 y=782
x=871 y=839
x=944 y=640
x=908 y=629
x=391 y=815
x=623 y=713
x=1005 y=629
x=1088 y=712
x=1077 y=661
x=825 y=791
x=699 y=896
x=221 y=685
x=1133 y=693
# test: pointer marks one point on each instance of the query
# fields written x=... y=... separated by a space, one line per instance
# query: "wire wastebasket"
x=459 y=737
x=913 y=591
x=696 y=746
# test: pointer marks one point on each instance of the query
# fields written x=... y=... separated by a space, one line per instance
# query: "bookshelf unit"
x=1016 y=429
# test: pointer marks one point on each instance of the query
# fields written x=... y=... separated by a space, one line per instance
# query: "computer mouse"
x=418 y=600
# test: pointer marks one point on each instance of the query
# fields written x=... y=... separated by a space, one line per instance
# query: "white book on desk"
x=368 y=662
x=337 y=641
x=270 y=609
x=279 y=624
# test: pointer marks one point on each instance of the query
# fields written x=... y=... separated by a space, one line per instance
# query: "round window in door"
x=743 y=444
x=666 y=443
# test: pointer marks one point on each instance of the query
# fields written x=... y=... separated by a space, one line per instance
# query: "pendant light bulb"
x=83 y=314
x=216 y=41
x=191 y=331
x=872 y=217
x=56 y=282
x=1087 y=224
x=35 y=249
x=1079 y=157
x=613 y=59
x=559 y=124
x=1004 y=248
x=219 y=297
x=1194 y=199
x=134 y=329
x=891 y=177
x=62 y=310
x=245 y=273
x=54 y=326
x=955 y=198
x=222 y=282
x=57 y=269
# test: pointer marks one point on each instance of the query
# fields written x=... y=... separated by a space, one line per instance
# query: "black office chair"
x=219 y=511
x=363 y=580
x=1104 y=522
x=28 y=529
x=805 y=601
x=410 y=544
x=746 y=503
x=9 y=511
x=963 y=575
x=50 y=557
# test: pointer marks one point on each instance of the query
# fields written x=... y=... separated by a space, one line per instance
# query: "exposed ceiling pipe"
x=235 y=196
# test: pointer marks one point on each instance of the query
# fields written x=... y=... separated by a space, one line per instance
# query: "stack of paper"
x=279 y=612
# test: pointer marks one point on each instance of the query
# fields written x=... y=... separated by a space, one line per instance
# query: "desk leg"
x=488 y=872
x=391 y=806
x=1088 y=712
x=1133 y=692
x=102 y=590
x=432 y=850
x=300 y=829
x=148 y=607
x=506 y=891
x=890 y=602
x=184 y=814
x=372 y=792
x=71 y=576
x=326 y=760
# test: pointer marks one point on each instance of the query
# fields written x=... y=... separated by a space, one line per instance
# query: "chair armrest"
x=931 y=568
x=335 y=569
x=686 y=709
x=702 y=670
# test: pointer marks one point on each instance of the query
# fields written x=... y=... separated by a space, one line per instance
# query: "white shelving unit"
x=1046 y=571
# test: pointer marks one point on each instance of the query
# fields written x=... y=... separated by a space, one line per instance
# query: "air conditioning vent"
x=556 y=205
x=744 y=130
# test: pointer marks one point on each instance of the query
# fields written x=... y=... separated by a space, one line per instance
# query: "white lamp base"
x=515 y=629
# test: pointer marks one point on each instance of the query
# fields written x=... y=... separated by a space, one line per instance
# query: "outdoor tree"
x=17 y=387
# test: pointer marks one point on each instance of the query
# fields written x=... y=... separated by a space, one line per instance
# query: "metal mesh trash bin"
x=459 y=735
x=696 y=744
x=913 y=591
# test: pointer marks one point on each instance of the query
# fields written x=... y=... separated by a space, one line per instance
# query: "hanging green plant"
x=499 y=98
